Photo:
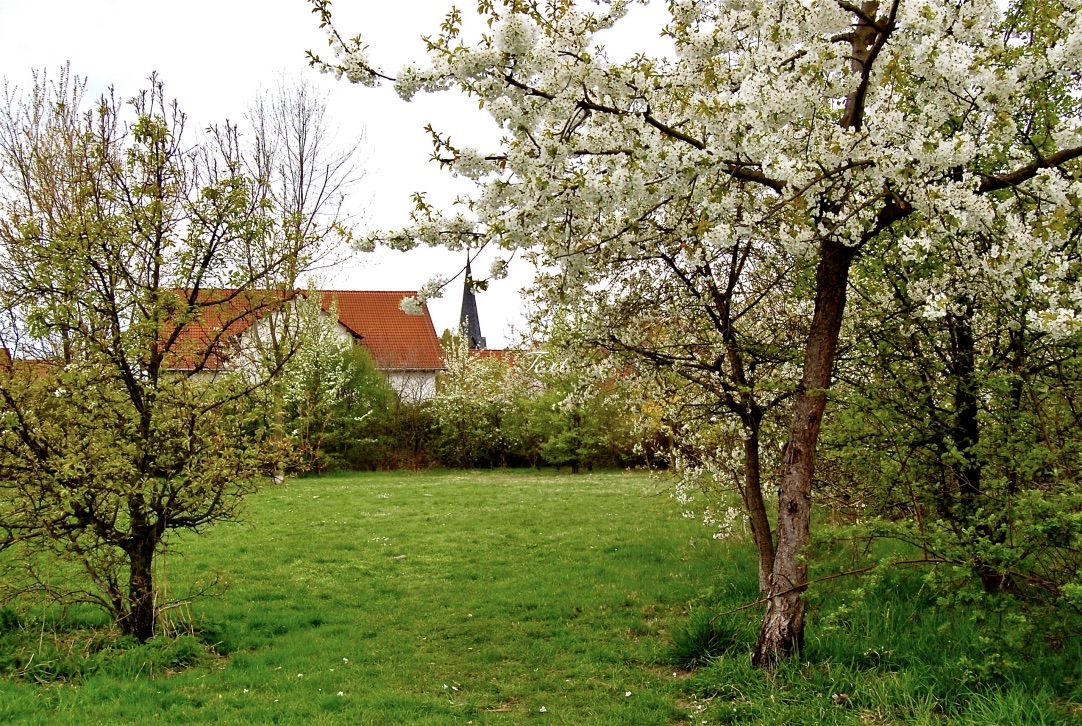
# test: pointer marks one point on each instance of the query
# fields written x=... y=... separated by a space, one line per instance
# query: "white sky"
x=215 y=55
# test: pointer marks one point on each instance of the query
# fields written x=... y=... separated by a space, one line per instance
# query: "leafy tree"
x=331 y=390
x=129 y=261
x=475 y=397
x=959 y=424
x=579 y=414
x=305 y=177
x=709 y=345
x=829 y=126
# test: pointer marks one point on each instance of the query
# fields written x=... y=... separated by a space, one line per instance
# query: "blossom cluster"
x=600 y=155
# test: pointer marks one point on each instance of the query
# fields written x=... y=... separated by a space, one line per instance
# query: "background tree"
x=711 y=346
x=129 y=260
x=959 y=422
x=305 y=175
x=334 y=397
x=577 y=414
x=823 y=125
x=475 y=399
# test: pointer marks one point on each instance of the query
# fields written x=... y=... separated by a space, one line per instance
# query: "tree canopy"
x=832 y=129
x=132 y=259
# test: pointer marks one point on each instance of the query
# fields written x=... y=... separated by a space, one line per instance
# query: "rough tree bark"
x=752 y=495
x=141 y=617
x=966 y=436
x=782 y=630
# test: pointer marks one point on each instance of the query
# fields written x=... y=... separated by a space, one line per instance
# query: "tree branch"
x=1025 y=173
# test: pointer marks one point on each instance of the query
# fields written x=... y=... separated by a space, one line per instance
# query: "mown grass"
x=481 y=597
x=508 y=597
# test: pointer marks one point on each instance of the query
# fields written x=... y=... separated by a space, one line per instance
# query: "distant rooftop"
x=397 y=340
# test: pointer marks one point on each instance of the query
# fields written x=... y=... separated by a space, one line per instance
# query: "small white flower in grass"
x=627 y=694
x=300 y=675
x=543 y=710
x=341 y=694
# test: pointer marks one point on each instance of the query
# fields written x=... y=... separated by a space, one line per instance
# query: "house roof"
x=504 y=354
x=222 y=315
x=397 y=340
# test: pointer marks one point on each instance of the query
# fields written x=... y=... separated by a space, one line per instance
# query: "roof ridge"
x=385 y=292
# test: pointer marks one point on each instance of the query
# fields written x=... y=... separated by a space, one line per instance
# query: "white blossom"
x=516 y=35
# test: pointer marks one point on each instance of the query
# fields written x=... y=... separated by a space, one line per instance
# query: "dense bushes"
x=521 y=408
x=958 y=433
x=490 y=410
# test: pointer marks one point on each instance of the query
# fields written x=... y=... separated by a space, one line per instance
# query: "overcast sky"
x=215 y=55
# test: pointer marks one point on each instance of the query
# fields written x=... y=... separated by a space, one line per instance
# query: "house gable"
x=404 y=347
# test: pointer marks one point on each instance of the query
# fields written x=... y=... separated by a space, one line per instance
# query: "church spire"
x=468 y=323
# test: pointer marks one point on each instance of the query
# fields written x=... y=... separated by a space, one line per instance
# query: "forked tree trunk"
x=782 y=631
x=140 y=618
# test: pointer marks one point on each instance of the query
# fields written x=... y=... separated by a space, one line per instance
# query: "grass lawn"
x=512 y=597
x=402 y=598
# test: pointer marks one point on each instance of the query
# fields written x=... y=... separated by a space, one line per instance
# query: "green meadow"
x=504 y=597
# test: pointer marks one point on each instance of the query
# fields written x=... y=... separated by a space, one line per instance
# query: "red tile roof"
x=504 y=354
x=208 y=341
x=397 y=340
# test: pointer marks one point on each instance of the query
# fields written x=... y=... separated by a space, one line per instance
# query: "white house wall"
x=413 y=386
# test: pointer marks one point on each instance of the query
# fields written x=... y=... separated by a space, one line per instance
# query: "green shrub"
x=9 y=620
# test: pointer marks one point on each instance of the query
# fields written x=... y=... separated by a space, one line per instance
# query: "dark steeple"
x=468 y=323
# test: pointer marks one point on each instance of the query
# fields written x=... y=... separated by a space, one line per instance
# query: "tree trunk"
x=756 y=509
x=966 y=436
x=966 y=430
x=140 y=618
x=782 y=631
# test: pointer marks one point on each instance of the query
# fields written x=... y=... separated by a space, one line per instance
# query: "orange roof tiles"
x=504 y=354
x=397 y=340
x=208 y=341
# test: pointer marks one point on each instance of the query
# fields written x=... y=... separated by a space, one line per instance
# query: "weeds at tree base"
x=704 y=637
x=48 y=654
